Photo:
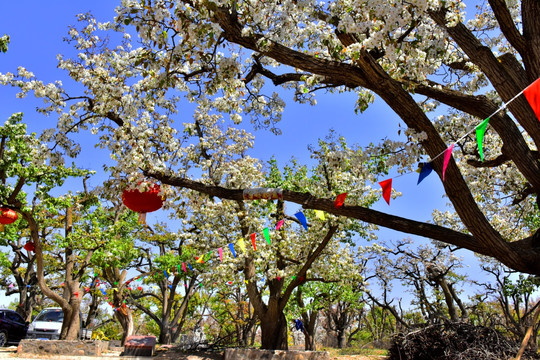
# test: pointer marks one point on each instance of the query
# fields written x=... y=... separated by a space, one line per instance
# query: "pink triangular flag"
x=279 y=224
x=447 y=156
x=220 y=251
x=386 y=186
x=184 y=267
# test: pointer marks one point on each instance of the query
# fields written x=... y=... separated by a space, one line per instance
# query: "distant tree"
x=17 y=269
x=515 y=297
x=427 y=271
x=167 y=301
x=233 y=314
x=26 y=161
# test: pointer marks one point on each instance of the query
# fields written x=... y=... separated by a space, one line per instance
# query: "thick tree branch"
x=507 y=26
x=504 y=83
x=357 y=212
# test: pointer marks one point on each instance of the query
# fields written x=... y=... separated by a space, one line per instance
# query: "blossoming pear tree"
x=418 y=57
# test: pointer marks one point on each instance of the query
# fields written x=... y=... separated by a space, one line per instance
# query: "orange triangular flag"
x=253 y=241
x=340 y=200
x=532 y=93
x=386 y=186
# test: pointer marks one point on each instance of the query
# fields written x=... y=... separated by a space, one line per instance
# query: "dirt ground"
x=175 y=354
x=161 y=353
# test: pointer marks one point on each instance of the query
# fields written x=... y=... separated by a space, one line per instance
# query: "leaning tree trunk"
x=125 y=318
x=71 y=324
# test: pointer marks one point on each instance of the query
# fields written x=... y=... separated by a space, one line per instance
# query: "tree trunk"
x=165 y=332
x=72 y=322
x=274 y=331
x=125 y=318
x=341 y=339
x=309 y=341
x=310 y=320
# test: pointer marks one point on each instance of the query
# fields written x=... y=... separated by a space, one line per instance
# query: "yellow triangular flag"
x=242 y=245
x=200 y=259
x=320 y=214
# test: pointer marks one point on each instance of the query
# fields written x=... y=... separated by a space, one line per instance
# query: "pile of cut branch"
x=455 y=341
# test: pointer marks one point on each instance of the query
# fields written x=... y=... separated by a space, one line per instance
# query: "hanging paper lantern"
x=29 y=246
x=143 y=202
x=7 y=216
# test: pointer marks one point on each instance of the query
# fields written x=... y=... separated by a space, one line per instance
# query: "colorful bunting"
x=340 y=200
x=320 y=214
x=425 y=170
x=447 y=156
x=253 y=241
x=386 y=186
x=302 y=218
x=532 y=93
x=279 y=224
x=231 y=247
x=266 y=233
x=242 y=245
x=480 y=131
x=220 y=252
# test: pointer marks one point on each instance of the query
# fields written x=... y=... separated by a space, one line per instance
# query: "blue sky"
x=37 y=28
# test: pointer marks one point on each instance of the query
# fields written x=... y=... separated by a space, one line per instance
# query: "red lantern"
x=29 y=246
x=143 y=202
x=7 y=216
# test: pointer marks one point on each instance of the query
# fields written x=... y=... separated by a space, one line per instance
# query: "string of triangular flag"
x=532 y=94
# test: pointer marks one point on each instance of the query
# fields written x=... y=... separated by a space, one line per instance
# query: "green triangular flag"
x=480 y=131
x=266 y=234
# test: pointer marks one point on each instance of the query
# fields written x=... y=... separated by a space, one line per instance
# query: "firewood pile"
x=455 y=341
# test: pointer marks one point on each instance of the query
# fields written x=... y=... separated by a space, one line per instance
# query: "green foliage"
x=524 y=284
x=25 y=159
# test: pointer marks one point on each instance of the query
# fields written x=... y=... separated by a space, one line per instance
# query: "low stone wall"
x=62 y=347
x=255 y=354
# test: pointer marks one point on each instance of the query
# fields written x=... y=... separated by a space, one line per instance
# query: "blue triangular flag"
x=189 y=266
x=424 y=171
x=300 y=216
x=231 y=246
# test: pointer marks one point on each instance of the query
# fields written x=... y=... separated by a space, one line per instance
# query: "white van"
x=48 y=324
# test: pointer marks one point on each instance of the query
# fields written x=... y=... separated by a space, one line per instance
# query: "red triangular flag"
x=386 y=186
x=532 y=93
x=447 y=156
x=340 y=200
x=253 y=241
